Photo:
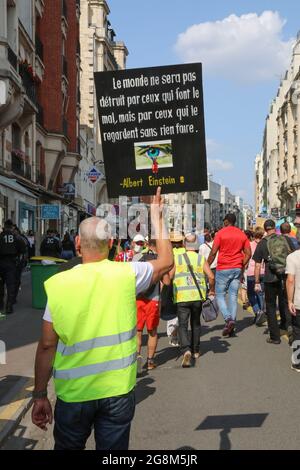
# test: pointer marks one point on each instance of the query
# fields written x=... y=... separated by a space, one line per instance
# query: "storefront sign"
x=152 y=129
x=50 y=212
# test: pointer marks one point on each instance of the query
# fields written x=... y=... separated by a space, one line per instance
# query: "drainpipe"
x=3 y=148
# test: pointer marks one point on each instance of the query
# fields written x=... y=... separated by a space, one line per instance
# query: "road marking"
x=18 y=400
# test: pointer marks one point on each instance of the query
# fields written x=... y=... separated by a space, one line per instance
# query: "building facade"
x=99 y=52
x=278 y=167
x=40 y=115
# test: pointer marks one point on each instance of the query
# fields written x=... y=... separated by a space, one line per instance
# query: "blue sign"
x=68 y=189
x=50 y=211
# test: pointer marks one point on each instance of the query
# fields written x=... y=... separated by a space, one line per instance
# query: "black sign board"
x=152 y=129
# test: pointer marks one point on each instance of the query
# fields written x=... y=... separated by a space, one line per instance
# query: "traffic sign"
x=94 y=174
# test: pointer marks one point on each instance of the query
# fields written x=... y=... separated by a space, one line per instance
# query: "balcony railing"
x=28 y=83
x=39 y=47
x=17 y=162
x=28 y=171
x=12 y=58
x=65 y=67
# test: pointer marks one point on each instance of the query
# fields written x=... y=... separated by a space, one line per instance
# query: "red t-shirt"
x=231 y=242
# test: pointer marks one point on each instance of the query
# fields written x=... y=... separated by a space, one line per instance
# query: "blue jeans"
x=256 y=299
x=110 y=417
x=228 y=280
x=67 y=254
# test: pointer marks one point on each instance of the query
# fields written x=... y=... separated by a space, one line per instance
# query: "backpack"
x=279 y=249
x=168 y=310
x=144 y=258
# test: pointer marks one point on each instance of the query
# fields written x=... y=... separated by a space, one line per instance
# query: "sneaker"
x=273 y=341
x=290 y=335
x=173 y=341
x=261 y=319
x=186 y=361
x=196 y=355
x=295 y=367
x=229 y=328
x=151 y=364
x=139 y=361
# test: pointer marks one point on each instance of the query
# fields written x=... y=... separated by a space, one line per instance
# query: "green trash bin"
x=39 y=274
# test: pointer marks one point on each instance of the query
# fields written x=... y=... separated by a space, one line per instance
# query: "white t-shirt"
x=205 y=250
x=143 y=275
x=293 y=267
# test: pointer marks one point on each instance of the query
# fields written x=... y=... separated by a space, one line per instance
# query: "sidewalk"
x=20 y=332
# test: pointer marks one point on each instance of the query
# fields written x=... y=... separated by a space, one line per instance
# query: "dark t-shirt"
x=262 y=254
x=70 y=264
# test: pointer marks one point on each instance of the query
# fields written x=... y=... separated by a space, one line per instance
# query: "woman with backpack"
x=273 y=250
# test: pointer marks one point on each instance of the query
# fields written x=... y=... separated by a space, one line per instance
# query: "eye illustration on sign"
x=153 y=155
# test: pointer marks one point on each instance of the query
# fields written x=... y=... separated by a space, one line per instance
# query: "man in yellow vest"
x=89 y=340
x=186 y=293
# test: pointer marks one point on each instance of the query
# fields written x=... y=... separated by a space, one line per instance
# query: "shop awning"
x=7 y=183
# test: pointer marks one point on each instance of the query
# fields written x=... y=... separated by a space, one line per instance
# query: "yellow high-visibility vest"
x=93 y=309
x=184 y=288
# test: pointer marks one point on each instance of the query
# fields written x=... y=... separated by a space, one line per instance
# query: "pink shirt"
x=251 y=267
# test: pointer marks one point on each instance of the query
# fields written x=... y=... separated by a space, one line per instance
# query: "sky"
x=245 y=47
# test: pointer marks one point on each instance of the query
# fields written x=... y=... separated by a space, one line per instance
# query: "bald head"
x=94 y=237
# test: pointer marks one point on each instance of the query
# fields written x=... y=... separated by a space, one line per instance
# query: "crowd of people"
x=92 y=335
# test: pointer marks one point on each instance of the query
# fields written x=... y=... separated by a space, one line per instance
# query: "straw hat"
x=176 y=237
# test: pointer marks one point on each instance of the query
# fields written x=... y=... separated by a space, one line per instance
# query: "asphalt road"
x=241 y=394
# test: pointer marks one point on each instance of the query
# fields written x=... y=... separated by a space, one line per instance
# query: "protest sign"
x=152 y=129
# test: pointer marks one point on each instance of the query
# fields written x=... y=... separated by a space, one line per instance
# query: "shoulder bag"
x=209 y=306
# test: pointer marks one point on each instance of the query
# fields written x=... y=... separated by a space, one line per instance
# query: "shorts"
x=147 y=313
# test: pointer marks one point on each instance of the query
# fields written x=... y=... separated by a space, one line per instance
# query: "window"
x=25 y=15
x=16 y=136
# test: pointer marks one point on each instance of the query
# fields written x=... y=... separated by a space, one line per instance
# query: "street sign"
x=68 y=189
x=152 y=129
x=94 y=174
x=50 y=211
